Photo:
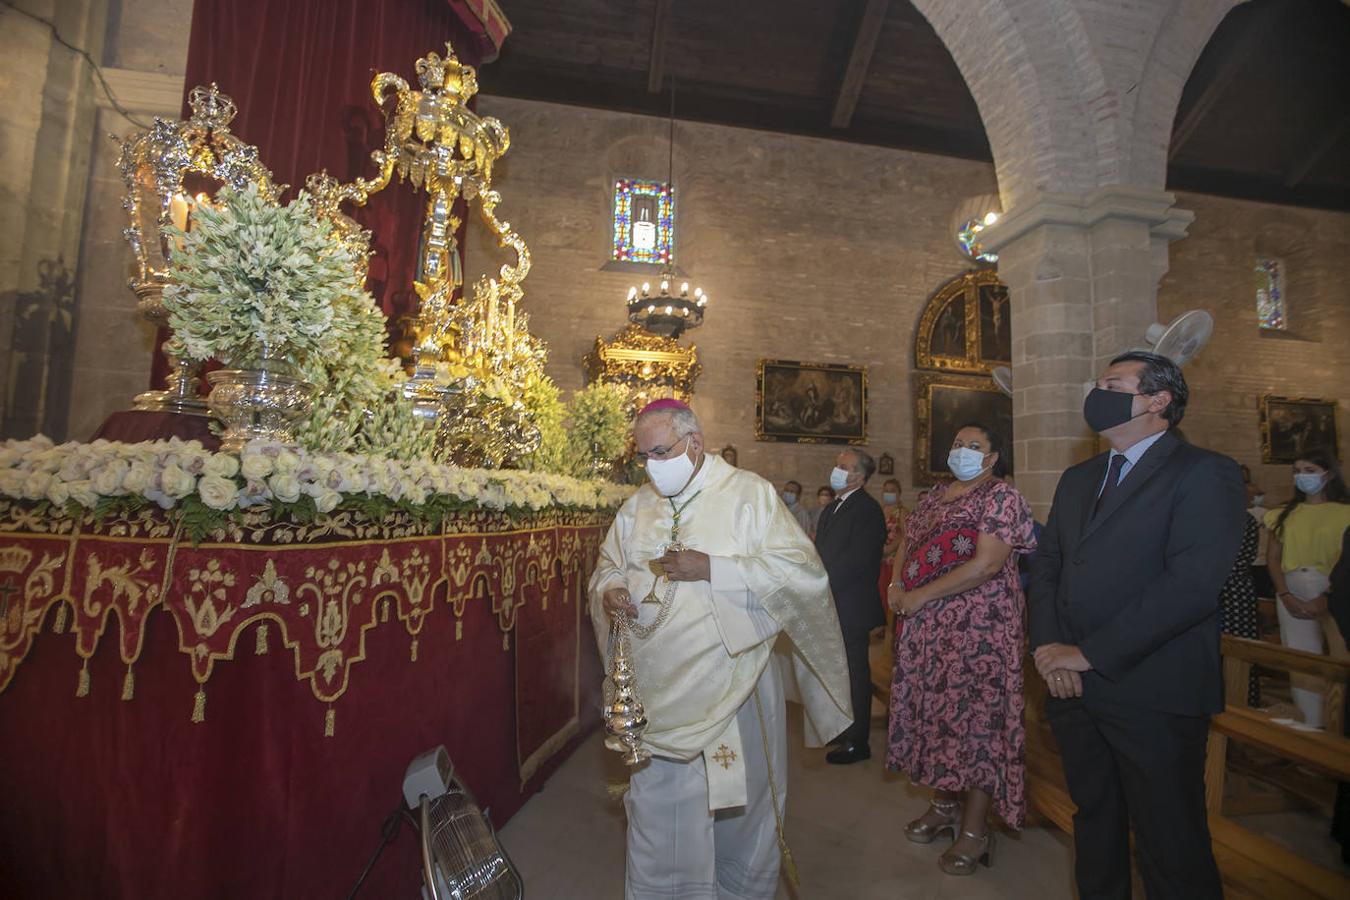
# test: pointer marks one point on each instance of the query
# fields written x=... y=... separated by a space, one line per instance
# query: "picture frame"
x=810 y=403
x=966 y=326
x=1291 y=426
x=943 y=402
x=886 y=464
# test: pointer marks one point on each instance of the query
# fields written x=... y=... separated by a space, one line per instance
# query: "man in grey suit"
x=1124 y=623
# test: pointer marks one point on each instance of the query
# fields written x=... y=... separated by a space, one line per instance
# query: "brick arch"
x=1075 y=95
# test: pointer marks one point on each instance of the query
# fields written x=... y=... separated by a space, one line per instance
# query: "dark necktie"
x=1112 y=480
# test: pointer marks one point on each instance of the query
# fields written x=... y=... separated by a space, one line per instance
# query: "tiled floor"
x=843 y=825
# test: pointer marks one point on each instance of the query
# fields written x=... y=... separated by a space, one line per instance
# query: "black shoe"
x=848 y=753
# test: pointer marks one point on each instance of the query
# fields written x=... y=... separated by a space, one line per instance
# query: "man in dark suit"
x=1124 y=623
x=849 y=537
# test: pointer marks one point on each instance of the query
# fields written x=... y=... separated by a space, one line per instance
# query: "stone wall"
x=1212 y=269
x=826 y=252
x=813 y=250
x=810 y=249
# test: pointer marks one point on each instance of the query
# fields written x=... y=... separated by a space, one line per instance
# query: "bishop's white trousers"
x=678 y=850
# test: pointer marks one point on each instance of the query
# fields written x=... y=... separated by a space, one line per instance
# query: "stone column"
x=47 y=129
x=1083 y=272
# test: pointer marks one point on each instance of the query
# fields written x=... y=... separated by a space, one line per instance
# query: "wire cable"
x=98 y=72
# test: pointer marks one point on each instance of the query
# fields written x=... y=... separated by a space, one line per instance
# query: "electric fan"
x=1181 y=340
x=461 y=856
x=1003 y=379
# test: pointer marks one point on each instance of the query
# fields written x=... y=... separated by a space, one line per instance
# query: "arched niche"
x=964 y=332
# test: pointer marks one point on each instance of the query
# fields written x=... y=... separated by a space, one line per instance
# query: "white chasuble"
x=697 y=669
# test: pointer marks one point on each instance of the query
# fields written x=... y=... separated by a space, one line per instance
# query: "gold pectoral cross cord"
x=666 y=600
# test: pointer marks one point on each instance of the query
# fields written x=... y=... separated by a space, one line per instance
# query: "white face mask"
x=1309 y=482
x=965 y=463
x=839 y=478
x=1258 y=499
x=669 y=476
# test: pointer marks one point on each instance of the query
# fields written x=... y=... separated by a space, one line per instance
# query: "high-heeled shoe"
x=921 y=832
x=954 y=863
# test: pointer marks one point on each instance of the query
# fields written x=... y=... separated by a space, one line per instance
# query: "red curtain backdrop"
x=299 y=71
x=121 y=797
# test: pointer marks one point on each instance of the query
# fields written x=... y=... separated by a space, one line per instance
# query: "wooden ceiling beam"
x=1239 y=52
x=656 y=67
x=859 y=61
x=1305 y=164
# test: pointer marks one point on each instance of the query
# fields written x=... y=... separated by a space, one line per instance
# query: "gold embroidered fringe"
x=59 y=626
x=129 y=684
x=329 y=721
x=260 y=645
x=199 y=705
x=384 y=611
x=82 y=686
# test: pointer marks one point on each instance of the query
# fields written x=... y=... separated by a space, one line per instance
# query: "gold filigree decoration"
x=127 y=580
x=209 y=586
x=268 y=588
x=649 y=365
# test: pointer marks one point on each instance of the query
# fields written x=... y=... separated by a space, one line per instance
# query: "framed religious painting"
x=811 y=403
x=1292 y=426
x=966 y=326
x=943 y=402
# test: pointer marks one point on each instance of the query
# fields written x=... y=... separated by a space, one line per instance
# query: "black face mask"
x=1104 y=410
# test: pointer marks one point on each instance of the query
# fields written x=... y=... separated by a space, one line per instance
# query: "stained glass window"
x=1270 y=293
x=968 y=237
x=644 y=221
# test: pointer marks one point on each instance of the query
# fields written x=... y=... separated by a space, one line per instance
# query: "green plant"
x=598 y=428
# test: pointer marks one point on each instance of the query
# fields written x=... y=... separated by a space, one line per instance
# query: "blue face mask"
x=965 y=463
x=790 y=498
x=1309 y=482
x=839 y=479
x=890 y=497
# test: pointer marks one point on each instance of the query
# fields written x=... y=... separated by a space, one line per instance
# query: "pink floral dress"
x=956 y=694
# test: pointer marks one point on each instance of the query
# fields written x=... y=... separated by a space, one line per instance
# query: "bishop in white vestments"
x=731 y=614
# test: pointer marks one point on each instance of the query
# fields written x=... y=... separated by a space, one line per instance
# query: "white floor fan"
x=461 y=856
x=1180 y=341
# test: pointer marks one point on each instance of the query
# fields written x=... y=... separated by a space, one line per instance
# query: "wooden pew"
x=1251 y=865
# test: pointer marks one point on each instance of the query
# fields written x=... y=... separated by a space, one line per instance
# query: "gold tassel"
x=790 y=866
x=459 y=629
x=260 y=643
x=199 y=705
x=384 y=611
x=413 y=653
x=506 y=640
x=82 y=688
x=329 y=721
x=59 y=626
x=129 y=684
x=616 y=789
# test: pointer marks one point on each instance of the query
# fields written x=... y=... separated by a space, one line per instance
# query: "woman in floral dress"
x=956 y=696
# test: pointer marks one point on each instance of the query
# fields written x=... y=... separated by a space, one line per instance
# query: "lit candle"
x=684 y=289
x=178 y=211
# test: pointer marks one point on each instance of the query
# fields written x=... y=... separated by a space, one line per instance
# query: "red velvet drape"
x=299 y=71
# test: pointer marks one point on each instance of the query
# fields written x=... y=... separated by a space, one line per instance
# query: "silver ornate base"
x=257 y=404
x=180 y=396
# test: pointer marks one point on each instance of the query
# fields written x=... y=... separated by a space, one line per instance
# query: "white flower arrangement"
x=208 y=485
x=252 y=274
